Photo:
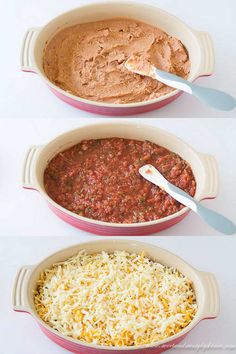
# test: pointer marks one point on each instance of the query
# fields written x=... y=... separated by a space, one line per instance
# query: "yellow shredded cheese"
x=117 y=299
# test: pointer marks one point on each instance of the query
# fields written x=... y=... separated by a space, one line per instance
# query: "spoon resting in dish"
x=214 y=219
x=215 y=98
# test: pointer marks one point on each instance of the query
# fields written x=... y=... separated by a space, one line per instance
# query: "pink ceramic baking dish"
x=198 y=45
x=205 y=287
x=204 y=168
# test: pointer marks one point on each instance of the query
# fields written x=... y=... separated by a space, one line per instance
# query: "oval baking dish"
x=203 y=166
x=198 y=45
x=205 y=287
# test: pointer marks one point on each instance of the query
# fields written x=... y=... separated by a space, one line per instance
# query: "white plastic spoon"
x=215 y=98
x=214 y=219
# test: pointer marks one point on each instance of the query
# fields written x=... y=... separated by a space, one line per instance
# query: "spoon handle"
x=217 y=221
x=215 y=98
x=214 y=219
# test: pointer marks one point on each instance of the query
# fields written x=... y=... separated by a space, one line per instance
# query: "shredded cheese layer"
x=117 y=299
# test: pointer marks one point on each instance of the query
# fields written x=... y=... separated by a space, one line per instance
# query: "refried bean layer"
x=88 y=60
x=100 y=179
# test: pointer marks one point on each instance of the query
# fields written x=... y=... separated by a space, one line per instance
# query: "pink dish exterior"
x=113 y=111
x=198 y=45
x=115 y=231
x=205 y=286
x=80 y=349
x=204 y=168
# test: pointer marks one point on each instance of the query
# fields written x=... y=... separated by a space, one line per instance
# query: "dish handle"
x=19 y=295
x=207 y=64
x=211 y=186
x=211 y=307
x=29 y=167
x=26 y=58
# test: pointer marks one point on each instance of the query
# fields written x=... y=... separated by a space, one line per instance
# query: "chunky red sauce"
x=99 y=179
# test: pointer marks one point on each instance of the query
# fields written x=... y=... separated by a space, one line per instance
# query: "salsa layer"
x=99 y=179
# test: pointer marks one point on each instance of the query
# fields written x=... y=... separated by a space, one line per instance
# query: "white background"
x=25 y=95
x=25 y=213
x=21 y=335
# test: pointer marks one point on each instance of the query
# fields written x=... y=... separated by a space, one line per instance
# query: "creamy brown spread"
x=88 y=60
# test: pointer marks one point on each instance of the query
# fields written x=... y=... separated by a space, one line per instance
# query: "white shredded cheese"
x=115 y=299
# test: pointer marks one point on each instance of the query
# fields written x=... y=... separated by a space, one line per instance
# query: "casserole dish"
x=205 y=287
x=203 y=166
x=198 y=45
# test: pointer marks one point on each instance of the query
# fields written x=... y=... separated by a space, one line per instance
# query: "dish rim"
x=173 y=93
x=44 y=194
x=197 y=318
